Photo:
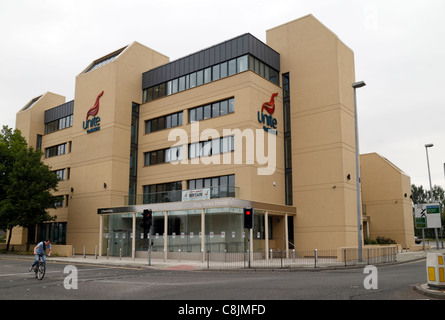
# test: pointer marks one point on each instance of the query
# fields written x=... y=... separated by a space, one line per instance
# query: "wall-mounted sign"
x=268 y=121
x=93 y=124
x=198 y=194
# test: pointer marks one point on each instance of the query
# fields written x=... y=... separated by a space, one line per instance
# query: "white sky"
x=399 y=48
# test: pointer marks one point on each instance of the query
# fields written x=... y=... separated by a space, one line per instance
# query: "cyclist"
x=40 y=249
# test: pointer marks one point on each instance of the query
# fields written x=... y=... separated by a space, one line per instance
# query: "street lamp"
x=432 y=199
x=429 y=174
x=357 y=85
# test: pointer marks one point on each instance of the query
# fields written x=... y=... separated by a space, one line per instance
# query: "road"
x=394 y=282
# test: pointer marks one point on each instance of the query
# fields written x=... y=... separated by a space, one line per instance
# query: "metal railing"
x=276 y=259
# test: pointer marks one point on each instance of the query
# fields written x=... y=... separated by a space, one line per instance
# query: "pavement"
x=193 y=265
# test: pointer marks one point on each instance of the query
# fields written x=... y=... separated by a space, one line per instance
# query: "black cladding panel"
x=59 y=112
x=244 y=44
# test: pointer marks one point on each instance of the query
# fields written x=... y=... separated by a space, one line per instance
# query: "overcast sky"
x=399 y=48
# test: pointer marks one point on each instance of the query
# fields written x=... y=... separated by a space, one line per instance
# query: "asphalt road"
x=98 y=282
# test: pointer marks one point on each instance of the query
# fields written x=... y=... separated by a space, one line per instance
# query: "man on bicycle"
x=40 y=250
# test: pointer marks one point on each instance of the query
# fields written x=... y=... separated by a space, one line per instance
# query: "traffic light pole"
x=248 y=247
x=149 y=245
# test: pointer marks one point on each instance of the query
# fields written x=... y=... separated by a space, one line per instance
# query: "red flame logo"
x=270 y=106
x=95 y=109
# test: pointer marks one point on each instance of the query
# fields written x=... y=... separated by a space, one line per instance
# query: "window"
x=163 y=192
x=207 y=75
x=55 y=231
x=222 y=186
x=216 y=109
x=207 y=112
x=223 y=70
x=181 y=84
x=199 y=77
x=212 y=73
x=55 y=150
x=215 y=72
x=174 y=85
x=211 y=147
x=228 y=144
x=242 y=64
x=60 y=174
x=232 y=67
x=193 y=80
x=59 y=124
x=224 y=107
x=163 y=156
x=164 y=122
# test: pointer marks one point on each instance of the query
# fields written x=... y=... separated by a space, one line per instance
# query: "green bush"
x=383 y=240
x=379 y=240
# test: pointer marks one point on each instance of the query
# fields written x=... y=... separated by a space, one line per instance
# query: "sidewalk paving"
x=172 y=264
x=193 y=265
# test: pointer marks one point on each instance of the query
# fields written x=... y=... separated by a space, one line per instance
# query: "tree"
x=26 y=184
x=420 y=195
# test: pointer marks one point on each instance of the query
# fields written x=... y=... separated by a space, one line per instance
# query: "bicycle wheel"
x=40 y=270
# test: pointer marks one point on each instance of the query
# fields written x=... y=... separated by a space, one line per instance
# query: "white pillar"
x=101 y=231
x=203 y=234
x=165 y=234
x=286 y=235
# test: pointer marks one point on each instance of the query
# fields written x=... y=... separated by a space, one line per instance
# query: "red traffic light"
x=248 y=218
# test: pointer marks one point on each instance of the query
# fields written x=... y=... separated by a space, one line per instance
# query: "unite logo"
x=268 y=121
x=93 y=124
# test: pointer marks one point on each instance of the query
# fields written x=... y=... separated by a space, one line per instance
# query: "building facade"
x=240 y=124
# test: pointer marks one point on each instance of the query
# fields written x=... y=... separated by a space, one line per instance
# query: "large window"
x=56 y=150
x=163 y=156
x=59 y=124
x=163 y=192
x=164 y=122
x=211 y=147
x=212 y=110
x=221 y=187
x=60 y=174
x=212 y=73
x=56 y=232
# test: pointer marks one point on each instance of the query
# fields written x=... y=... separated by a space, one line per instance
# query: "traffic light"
x=248 y=218
x=147 y=220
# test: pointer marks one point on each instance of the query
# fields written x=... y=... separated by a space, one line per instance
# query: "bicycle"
x=39 y=268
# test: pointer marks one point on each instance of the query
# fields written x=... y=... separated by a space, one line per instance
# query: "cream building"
x=386 y=200
x=240 y=124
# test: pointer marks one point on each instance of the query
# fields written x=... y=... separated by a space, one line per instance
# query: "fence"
x=300 y=258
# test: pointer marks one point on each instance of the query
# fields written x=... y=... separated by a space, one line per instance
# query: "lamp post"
x=357 y=85
x=432 y=199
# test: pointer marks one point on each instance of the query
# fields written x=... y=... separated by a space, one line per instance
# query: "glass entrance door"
x=120 y=243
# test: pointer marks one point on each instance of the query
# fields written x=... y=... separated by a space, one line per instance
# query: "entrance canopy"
x=194 y=227
x=189 y=205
